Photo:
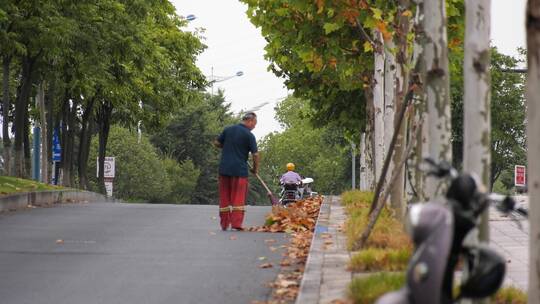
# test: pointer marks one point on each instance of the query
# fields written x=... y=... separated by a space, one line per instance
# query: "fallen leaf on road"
x=326 y=235
x=59 y=241
x=287 y=283
x=328 y=242
x=232 y=237
x=285 y=263
x=257 y=229
x=296 y=217
x=299 y=221
x=266 y=265
x=212 y=233
x=262 y=258
x=214 y=217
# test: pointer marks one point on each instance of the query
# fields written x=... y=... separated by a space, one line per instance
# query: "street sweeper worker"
x=290 y=177
x=236 y=142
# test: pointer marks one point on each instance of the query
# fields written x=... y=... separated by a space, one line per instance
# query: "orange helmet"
x=290 y=167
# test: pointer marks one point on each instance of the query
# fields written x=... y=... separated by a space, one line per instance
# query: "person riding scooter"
x=290 y=182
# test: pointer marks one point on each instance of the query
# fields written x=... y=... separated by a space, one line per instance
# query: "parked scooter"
x=438 y=232
x=305 y=189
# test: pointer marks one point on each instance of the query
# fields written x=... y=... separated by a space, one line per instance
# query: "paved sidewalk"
x=325 y=277
x=513 y=243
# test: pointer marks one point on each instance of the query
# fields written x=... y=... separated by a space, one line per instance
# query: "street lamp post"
x=139 y=132
x=353 y=172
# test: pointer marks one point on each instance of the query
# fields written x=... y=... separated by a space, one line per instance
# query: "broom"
x=273 y=199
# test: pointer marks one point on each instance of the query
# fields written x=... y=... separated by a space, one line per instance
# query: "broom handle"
x=260 y=179
x=262 y=182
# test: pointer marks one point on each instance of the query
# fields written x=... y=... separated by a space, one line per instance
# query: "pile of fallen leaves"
x=299 y=219
x=298 y=216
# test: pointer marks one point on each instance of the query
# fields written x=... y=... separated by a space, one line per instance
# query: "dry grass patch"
x=375 y=259
x=509 y=295
x=356 y=198
x=388 y=232
x=367 y=290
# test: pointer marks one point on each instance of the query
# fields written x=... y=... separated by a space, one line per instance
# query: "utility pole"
x=353 y=157
x=44 y=138
x=36 y=148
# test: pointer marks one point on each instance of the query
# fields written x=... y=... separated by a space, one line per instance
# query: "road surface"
x=132 y=253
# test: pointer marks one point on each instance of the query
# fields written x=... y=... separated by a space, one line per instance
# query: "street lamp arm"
x=220 y=79
x=214 y=79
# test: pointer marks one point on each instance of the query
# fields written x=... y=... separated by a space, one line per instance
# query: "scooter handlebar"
x=507 y=204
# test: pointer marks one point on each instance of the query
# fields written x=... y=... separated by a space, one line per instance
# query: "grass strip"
x=11 y=185
x=376 y=259
x=367 y=290
x=509 y=295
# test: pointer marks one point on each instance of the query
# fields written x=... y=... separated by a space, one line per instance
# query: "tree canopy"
x=318 y=152
x=100 y=62
x=507 y=112
x=187 y=136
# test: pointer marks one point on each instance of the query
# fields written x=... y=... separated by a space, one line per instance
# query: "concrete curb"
x=47 y=198
x=326 y=278
x=311 y=280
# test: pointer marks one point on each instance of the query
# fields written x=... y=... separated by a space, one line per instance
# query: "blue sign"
x=56 y=147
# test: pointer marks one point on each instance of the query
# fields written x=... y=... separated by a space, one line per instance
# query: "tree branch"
x=380 y=183
x=365 y=35
x=359 y=244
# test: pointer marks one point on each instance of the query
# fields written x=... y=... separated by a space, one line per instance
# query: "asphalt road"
x=132 y=253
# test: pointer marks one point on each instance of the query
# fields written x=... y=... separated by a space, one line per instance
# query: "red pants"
x=232 y=197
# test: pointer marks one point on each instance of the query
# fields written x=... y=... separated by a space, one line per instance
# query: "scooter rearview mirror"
x=508 y=204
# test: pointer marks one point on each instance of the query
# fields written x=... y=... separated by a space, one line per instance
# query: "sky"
x=234 y=44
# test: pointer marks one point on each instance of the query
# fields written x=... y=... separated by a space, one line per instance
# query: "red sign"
x=520 y=178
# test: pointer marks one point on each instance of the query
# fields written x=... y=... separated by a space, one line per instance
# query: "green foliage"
x=318 y=49
x=188 y=136
x=100 y=55
x=366 y=290
x=9 y=185
x=184 y=178
x=320 y=153
x=140 y=173
x=323 y=50
x=505 y=183
x=507 y=116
